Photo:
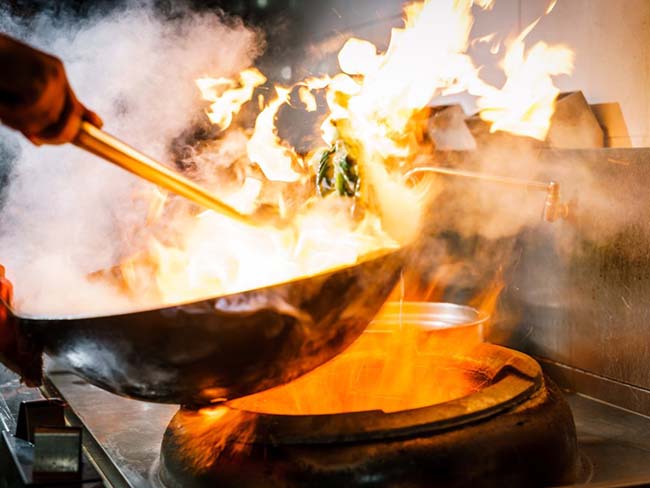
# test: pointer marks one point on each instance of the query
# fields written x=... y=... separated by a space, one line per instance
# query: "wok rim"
x=366 y=258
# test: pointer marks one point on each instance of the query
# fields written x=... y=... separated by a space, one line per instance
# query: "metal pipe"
x=553 y=207
x=117 y=152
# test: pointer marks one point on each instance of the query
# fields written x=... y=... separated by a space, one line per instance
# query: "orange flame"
x=203 y=435
x=396 y=364
x=265 y=148
x=526 y=102
x=402 y=361
x=371 y=105
x=227 y=98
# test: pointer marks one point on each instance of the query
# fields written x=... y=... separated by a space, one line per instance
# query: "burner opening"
x=412 y=356
x=362 y=385
x=506 y=410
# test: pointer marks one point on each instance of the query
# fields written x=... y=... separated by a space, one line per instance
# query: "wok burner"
x=458 y=412
x=504 y=425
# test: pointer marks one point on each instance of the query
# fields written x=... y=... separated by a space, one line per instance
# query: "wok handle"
x=102 y=144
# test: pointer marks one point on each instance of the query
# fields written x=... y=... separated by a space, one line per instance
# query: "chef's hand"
x=17 y=353
x=35 y=96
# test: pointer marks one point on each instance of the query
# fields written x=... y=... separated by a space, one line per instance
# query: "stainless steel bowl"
x=431 y=316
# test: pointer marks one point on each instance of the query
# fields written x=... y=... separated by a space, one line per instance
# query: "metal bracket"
x=57 y=452
x=39 y=413
x=45 y=451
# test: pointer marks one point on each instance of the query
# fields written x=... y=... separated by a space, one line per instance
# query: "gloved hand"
x=35 y=95
x=16 y=352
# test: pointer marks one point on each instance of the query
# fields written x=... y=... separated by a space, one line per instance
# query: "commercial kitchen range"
x=123 y=437
x=584 y=323
x=551 y=389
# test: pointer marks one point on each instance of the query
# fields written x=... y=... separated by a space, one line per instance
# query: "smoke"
x=63 y=209
x=65 y=213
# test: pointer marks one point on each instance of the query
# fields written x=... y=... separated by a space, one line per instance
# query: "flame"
x=228 y=96
x=203 y=436
x=526 y=102
x=307 y=98
x=371 y=105
x=199 y=266
x=306 y=88
x=486 y=301
x=265 y=148
x=396 y=364
x=402 y=361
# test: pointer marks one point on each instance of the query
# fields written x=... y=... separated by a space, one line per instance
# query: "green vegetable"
x=337 y=171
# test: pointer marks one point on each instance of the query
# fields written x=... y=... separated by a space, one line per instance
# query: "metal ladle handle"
x=553 y=207
x=117 y=152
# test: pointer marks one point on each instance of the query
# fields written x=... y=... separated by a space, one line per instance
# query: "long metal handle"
x=108 y=147
x=502 y=180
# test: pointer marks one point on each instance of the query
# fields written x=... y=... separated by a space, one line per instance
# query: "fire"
x=227 y=98
x=202 y=435
x=397 y=364
x=525 y=104
x=265 y=147
x=348 y=198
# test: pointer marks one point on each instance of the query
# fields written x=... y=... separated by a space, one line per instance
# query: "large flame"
x=405 y=359
x=227 y=98
x=371 y=104
x=396 y=364
x=525 y=104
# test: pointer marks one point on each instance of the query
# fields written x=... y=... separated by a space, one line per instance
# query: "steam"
x=67 y=215
x=63 y=209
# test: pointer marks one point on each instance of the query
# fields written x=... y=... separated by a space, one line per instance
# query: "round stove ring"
x=515 y=431
x=511 y=378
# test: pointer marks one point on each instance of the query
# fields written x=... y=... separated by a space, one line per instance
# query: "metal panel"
x=582 y=289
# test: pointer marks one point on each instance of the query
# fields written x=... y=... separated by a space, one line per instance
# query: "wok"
x=223 y=347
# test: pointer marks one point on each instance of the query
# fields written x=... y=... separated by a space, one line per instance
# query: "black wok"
x=222 y=347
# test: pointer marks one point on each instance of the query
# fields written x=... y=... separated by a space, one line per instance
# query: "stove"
x=595 y=430
x=418 y=400
x=125 y=440
x=512 y=428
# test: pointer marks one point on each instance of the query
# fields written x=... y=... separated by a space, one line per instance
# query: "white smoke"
x=61 y=206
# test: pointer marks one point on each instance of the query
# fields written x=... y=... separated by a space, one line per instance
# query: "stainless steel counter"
x=123 y=436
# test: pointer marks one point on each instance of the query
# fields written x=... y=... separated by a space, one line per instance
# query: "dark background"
x=302 y=36
x=288 y=24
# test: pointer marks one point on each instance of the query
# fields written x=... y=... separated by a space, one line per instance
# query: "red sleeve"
x=16 y=352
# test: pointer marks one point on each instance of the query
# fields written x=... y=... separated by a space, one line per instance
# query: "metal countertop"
x=123 y=436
